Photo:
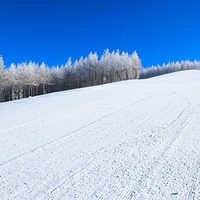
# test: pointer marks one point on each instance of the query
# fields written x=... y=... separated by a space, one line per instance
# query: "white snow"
x=137 y=139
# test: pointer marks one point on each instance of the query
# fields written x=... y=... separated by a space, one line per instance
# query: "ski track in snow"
x=137 y=139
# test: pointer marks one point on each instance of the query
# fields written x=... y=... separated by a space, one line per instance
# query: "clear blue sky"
x=53 y=30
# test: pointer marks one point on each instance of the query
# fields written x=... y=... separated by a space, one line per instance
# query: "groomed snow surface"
x=136 y=139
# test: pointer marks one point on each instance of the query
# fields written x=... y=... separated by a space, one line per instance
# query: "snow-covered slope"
x=137 y=139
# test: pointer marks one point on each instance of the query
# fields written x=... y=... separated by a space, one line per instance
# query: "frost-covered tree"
x=30 y=79
x=92 y=65
x=169 y=68
x=12 y=77
x=68 y=74
x=22 y=80
x=45 y=77
x=2 y=78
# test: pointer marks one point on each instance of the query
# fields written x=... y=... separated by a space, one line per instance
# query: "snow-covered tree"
x=45 y=77
x=30 y=79
x=12 y=77
x=2 y=78
x=169 y=68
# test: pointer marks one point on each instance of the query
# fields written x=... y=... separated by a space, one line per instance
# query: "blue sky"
x=53 y=30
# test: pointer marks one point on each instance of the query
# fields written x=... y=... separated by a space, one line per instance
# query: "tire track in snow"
x=104 y=197
x=139 y=184
x=83 y=127
x=134 y=189
x=141 y=122
x=140 y=111
x=142 y=100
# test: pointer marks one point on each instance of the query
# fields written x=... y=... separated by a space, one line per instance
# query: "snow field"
x=137 y=139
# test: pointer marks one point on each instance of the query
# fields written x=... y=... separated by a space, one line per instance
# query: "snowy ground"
x=137 y=139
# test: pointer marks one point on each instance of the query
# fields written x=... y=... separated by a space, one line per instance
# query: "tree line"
x=169 y=68
x=31 y=79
